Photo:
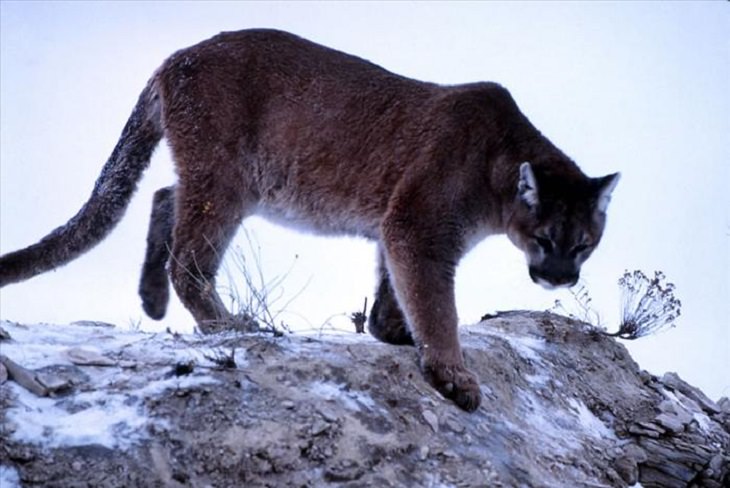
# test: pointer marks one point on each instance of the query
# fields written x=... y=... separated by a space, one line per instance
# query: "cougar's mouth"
x=551 y=281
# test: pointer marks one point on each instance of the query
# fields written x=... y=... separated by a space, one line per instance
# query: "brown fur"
x=265 y=122
x=154 y=287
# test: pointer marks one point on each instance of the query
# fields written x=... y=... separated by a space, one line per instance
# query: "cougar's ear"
x=527 y=186
x=605 y=187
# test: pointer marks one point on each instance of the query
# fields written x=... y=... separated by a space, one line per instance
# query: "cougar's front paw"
x=454 y=382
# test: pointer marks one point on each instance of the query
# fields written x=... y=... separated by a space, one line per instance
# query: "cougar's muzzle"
x=553 y=273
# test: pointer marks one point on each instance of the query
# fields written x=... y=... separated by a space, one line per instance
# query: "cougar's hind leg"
x=386 y=321
x=154 y=285
x=206 y=218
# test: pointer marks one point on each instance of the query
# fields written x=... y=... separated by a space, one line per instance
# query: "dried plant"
x=260 y=300
x=360 y=318
x=222 y=359
x=135 y=325
x=254 y=310
x=581 y=307
x=648 y=304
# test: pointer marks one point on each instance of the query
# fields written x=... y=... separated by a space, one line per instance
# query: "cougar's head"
x=558 y=222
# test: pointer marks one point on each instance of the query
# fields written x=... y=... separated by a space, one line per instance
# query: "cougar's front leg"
x=421 y=257
x=386 y=321
x=154 y=285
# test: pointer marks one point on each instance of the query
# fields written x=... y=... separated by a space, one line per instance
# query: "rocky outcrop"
x=563 y=405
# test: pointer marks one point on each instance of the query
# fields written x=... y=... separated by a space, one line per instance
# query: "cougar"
x=265 y=122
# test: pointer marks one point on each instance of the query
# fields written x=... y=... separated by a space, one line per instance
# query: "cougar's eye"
x=578 y=249
x=545 y=243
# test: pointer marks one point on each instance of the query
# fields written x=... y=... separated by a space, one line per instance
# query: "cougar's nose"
x=569 y=280
x=554 y=279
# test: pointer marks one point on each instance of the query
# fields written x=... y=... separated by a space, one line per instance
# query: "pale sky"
x=635 y=87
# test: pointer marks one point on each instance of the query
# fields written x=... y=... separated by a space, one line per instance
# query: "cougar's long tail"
x=109 y=200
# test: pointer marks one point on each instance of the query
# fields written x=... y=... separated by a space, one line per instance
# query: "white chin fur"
x=546 y=284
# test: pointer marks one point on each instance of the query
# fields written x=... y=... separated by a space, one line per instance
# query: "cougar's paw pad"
x=456 y=383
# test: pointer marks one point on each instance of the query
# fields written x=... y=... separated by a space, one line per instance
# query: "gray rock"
x=675 y=382
x=724 y=404
x=563 y=406
x=671 y=422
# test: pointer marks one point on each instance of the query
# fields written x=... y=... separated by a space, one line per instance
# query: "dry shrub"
x=648 y=304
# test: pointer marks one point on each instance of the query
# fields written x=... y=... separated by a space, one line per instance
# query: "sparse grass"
x=257 y=308
x=580 y=308
x=261 y=299
x=648 y=305
x=135 y=325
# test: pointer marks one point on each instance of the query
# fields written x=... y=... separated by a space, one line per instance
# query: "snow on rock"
x=9 y=477
x=339 y=392
x=107 y=407
x=562 y=405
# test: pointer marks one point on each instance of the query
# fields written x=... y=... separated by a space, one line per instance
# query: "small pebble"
x=423 y=453
x=431 y=419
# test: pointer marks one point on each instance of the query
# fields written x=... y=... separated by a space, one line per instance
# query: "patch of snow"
x=107 y=420
x=312 y=339
x=559 y=426
x=37 y=350
x=669 y=394
x=9 y=477
x=553 y=425
x=113 y=420
x=326 y=344
x=181 y=382
x=109 y=410
x=538 y=380
x=529 y=348
x=587 y=419
x=433 y=480
x=353 y=400
x=335 y=335
x=702 y=420
x=687 y=407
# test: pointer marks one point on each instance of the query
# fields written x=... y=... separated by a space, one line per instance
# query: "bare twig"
x=253 y=310
x=222 y=359
x=261 y=296
x=581 y=307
